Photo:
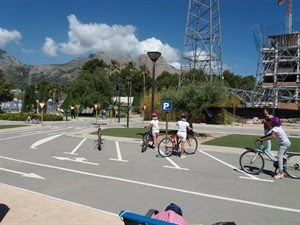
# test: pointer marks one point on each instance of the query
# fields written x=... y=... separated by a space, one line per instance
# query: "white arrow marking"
x=34 y=145
x=30 y=175
x=81 y=160
x=76 y=148
x=160 y=186
x=119 y=154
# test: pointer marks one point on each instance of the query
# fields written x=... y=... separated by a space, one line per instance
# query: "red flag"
x=280 y=2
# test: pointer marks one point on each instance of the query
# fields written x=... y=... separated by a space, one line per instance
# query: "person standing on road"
x=154 y=126
x=284 y=143
x=267 y=127
x=73 y=112
x=183 y=126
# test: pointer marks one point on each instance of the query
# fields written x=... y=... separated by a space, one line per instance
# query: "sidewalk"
x=30 y=208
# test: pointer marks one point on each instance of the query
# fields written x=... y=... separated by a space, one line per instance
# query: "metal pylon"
x=202 y=43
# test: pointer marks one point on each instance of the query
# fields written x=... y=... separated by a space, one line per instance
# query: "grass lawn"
x=241 y=141
x=11 y=126
x=231 y=140
x=128 y=132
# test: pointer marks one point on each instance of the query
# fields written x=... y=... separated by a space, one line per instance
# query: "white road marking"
x=76 y=148
x=118 y=154
x=233 y=167
x=175 y=166
x=29 y=134
x=78 y=159
x=34 y=145
x=29 y=175
x=161 y=187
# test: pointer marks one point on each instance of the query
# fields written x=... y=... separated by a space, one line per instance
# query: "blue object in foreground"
x=130 y=218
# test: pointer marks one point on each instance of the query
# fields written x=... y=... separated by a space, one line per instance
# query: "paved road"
x=59 y=160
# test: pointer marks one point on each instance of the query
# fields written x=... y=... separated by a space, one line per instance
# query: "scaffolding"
x=278 y=74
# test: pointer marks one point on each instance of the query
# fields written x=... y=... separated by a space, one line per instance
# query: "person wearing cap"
x=172 y=214
x=154 y=126
x=284 y=143
x=183 y=125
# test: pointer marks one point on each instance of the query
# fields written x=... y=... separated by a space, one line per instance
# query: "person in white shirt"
x=154 y=126
x=284 y=143
x=183 y=125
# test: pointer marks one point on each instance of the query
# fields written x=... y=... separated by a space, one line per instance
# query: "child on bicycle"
x=154 y=126
x=183 y=125
x=284 y=143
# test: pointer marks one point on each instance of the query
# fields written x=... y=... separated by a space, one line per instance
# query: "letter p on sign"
x=166 y=106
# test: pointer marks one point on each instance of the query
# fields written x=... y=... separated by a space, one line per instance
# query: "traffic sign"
x=166 y=106
x=42 y=104
x=110 y=107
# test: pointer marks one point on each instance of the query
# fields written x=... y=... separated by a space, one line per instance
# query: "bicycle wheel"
x=144 y=142
x=292 y=166
x=27 y=120
x=252 y=162
x=36 y=120
x=165 y=147
x=191 y=145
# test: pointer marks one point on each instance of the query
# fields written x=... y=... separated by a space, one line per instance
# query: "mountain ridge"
x=23 y=74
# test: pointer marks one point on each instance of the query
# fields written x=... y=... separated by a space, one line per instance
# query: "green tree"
x=5 y=88
x=166 y=80
x=92 y=86
x=194 y=98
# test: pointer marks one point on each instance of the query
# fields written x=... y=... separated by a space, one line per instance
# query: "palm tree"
x=144 y=70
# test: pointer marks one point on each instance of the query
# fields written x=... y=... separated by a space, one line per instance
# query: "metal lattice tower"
x=202 y=42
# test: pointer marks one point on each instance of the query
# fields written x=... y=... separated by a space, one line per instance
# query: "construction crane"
x=288 y=20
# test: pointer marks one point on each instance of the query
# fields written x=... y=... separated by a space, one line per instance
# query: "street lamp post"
x=67 y=98
x=129 y=97
x=154 y=56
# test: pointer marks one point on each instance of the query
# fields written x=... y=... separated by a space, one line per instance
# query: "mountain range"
x=23 y=74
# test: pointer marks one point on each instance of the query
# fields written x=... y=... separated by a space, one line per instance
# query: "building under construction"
x=280 y=70
x=278 y=74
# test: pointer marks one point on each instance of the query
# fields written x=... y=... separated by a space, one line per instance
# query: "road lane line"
x=118 y=154
x=175 y=166
x=234 y=168
x=30 y=134
x=161 y=187
x=76 y=148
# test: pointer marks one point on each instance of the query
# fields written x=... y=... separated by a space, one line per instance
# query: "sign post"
x=110 y=112
x=144 y=109
x=42 y=104
x=166 y=106
x=96 y=106
x=116 y=110
x=77 y=107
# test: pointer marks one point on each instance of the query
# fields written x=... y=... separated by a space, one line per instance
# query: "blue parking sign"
x=166 y=106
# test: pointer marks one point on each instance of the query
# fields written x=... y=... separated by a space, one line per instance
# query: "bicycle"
x=169 y=145
x=147 y=140
x=253 y=162
x=34 y=120
x=99 y=134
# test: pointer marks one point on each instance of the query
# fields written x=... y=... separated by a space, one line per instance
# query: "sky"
x=40 y=32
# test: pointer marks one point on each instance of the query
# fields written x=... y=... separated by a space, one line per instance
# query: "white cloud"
x=115 y=40
x=50 y=48
x=9 y=36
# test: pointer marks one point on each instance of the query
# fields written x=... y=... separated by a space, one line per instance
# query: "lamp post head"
x=154 y=55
